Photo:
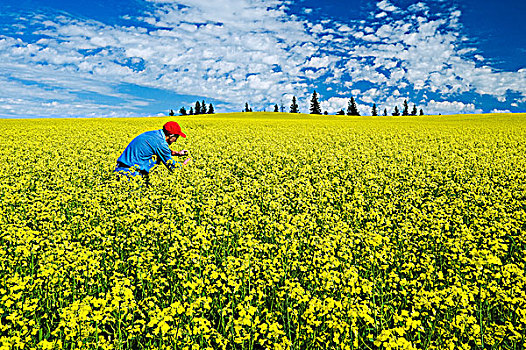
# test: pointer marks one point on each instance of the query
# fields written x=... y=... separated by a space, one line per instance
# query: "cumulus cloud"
x=334 y=104
x=234 y=51
x=248 y=50
x=386 y=6
x=449 y=107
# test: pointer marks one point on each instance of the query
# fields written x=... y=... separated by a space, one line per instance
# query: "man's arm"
x=180 y=153
x=166 y=157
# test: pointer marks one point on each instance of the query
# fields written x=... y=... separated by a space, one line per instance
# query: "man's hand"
x=180 y=153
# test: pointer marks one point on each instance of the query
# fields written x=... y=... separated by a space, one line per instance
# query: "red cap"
x=173 y=128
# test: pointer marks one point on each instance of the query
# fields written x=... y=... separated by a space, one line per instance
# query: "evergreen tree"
x=191 y=111
x=203 y=107
x=405 y=112
x=421 y=111
x=247 y=109
x=414 y=111
x=340 y=112
x=171 y=114
x=351 y=107
x=182 y=111
x=374 y=112
x=396 y=112
x=385 y=112
x=211 y=109
x=294 y=108
x=314 y=104
x=276 y=108
x=197 y=108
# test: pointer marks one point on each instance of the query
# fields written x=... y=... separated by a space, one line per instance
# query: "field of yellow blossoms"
x=285 y=232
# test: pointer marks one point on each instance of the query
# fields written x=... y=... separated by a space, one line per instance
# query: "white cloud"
x=334 y=104
x=209 y=51
x=239 y=50
x=386 y=6
x=450 y=107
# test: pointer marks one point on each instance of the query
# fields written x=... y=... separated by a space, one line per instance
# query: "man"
x=149 y=149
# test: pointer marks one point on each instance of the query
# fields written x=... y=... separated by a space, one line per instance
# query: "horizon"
x=270 y=113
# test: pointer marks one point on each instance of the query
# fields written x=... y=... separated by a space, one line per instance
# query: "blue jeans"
x=123 y=169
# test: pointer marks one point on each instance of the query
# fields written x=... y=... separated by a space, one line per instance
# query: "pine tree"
x=197 y=108
x=182 y=111
x=396 y=112
x=374 y=112
x=405 y=112
x=191 y=111
x=314 y=104
x=340 y=112
x=414 y=111
x=421 y=111
x=171 y=114
x=276 y=108
x=385 y=112
x=247 y=109
x=294 y=108
x=211 y=109
x=351 y=107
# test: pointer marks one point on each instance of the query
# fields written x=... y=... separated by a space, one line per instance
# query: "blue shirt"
x=146 y=151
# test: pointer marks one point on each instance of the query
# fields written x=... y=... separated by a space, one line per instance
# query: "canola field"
x=285 y=232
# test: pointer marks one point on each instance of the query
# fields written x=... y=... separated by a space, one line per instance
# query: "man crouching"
x=149 y=149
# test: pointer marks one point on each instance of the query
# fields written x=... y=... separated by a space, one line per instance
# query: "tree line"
x=315 y=108
x=200 y=108
x=352 y=108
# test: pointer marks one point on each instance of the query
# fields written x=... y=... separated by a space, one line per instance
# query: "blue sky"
x=145 y=57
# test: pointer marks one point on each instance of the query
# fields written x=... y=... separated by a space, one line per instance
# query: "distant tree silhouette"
x=396 y=112
x=203 y=107
x=171 y=114
x=421 y=111
x=211 y=109
x=340 y=112
x=414 y=111
x=276 y=108
x=191 y=111
x=325 y=113
x=374 y=111
x=405 y=112
x=314 y=104
x=197 y=108
x=351 y=107
x=385 y=112
x=294 y=108
x=182 y=111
